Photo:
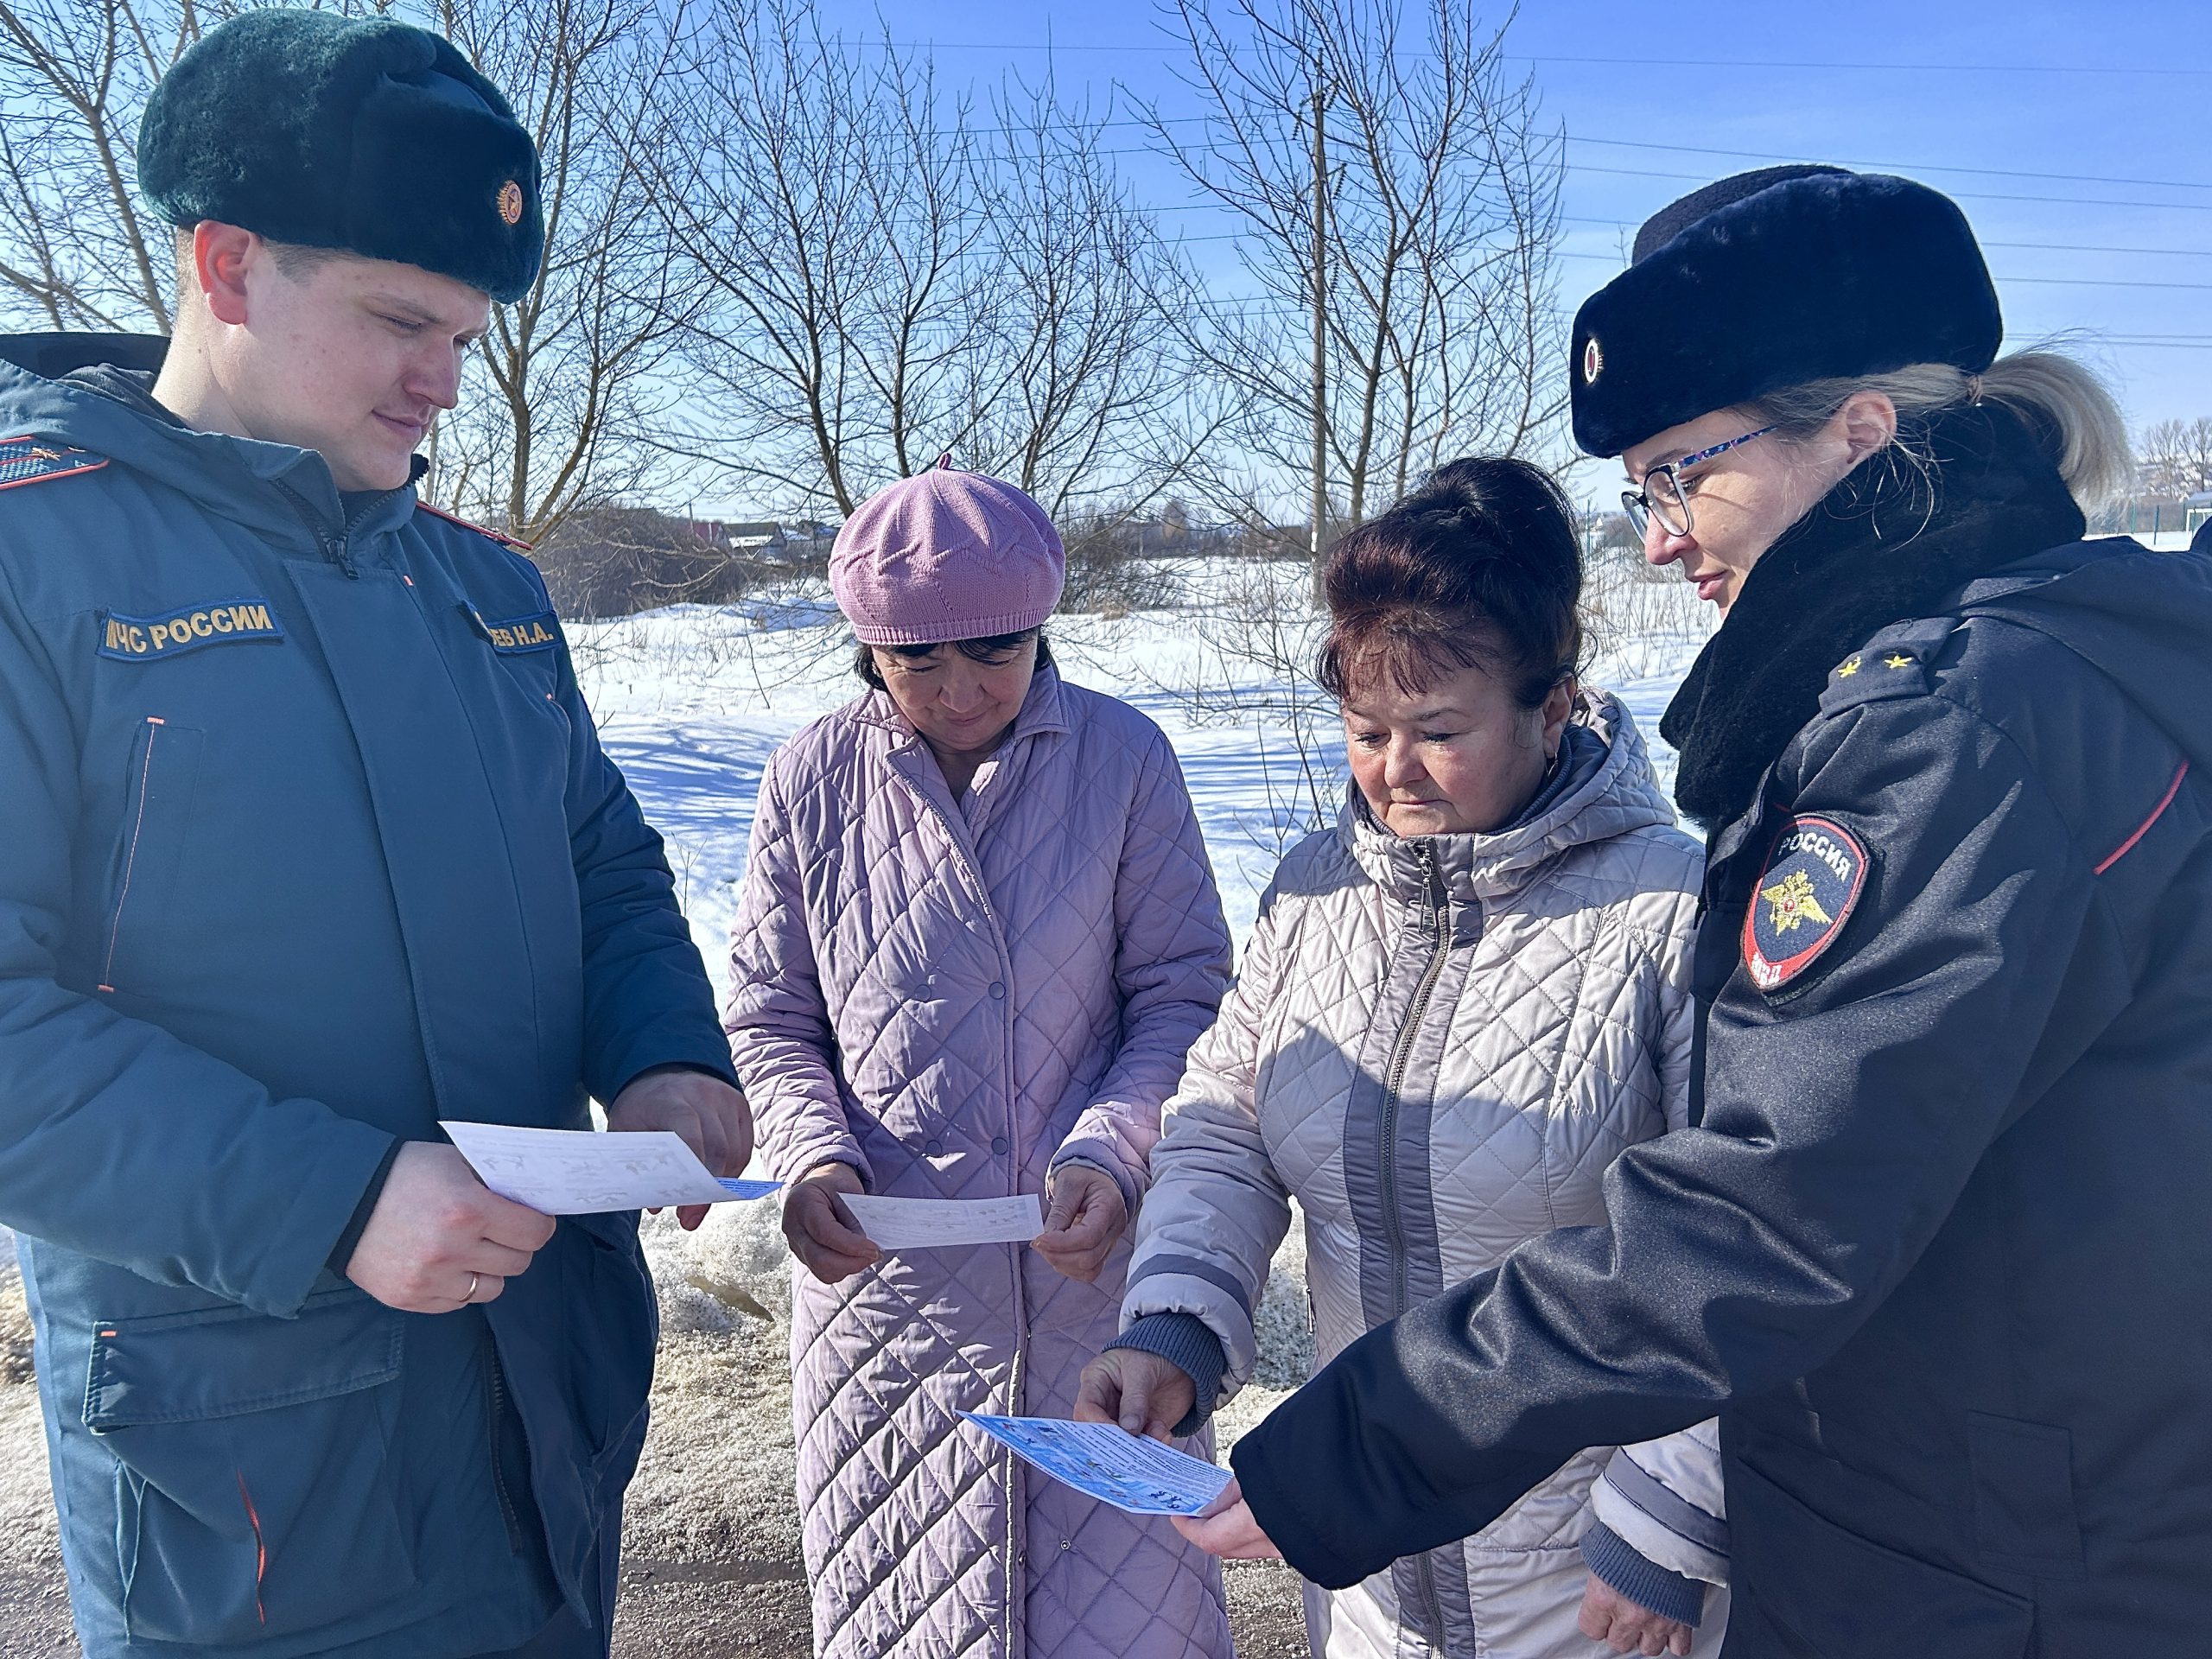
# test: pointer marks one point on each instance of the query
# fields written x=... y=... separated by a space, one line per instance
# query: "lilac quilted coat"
x=955 y=998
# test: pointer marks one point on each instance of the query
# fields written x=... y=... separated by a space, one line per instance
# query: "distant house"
x=807 y=542
x=755 y=541
x=765 y=542
x=2196 y=509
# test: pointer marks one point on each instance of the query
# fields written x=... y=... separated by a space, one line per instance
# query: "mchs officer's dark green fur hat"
x=1771 y=279
x=364 y=135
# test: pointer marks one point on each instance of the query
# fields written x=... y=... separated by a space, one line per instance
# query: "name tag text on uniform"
x=522 y=633
x=145 y=639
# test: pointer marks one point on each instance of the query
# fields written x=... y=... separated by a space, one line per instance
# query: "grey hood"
x=1611 y=791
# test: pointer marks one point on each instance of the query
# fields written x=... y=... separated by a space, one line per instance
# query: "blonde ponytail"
x=2063 y=402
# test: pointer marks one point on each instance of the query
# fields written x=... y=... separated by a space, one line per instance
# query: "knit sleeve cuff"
x=1186 y=1341
x=349 y=1241
x=1645 y=1583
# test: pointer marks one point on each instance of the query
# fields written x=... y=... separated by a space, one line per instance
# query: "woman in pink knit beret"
x=976 y=935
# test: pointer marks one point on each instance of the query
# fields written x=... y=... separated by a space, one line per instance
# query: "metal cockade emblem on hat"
x=1592 y=359
x=511 y=202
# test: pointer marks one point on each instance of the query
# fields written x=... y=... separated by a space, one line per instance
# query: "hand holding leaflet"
x=580 y=1173
x=1135 y=1475
x=927 y=1224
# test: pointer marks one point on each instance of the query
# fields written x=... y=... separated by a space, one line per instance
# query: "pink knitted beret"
x=946 y=555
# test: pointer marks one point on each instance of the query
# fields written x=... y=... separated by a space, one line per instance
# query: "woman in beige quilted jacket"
x=1456 y=1009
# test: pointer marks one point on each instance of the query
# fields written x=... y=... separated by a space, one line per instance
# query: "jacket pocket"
x=164 y=769
x=619 y=1346
x=2024 y=1517
x=253 y=1491
x=1806 y=1588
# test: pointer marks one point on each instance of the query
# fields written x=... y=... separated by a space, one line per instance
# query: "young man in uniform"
x=310 y=843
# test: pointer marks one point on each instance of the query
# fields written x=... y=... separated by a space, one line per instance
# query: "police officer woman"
x=1929 y=1252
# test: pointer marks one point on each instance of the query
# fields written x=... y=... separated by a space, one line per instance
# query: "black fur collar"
x=1886 y=545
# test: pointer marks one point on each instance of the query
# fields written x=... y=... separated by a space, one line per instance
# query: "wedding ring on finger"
x=470 y=1296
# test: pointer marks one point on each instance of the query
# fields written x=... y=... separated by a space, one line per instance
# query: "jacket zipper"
x=507 y=1510
x=1440 y=919
x=142 y=789
x=336 y=546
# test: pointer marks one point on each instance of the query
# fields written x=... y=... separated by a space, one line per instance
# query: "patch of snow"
x=692 y=700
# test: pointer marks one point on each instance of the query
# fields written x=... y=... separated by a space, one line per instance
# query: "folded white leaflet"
x=581 y=1171
x=929 y=1224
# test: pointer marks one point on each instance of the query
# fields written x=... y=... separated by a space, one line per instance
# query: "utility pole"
x=1318 y=503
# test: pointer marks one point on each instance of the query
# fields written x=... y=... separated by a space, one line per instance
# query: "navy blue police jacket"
x=1939 y=1251
x=309 y=843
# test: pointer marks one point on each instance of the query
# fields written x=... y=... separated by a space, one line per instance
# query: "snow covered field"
x=691 y=701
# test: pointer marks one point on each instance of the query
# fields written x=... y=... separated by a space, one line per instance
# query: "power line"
x=1879 y=68
x=2002 y=280
x=2038 y=247
x=1170 y=45
x=1149 y=124
x=1917 y=166
x=1701 y=178
x=1963 y=195
x=1987 y=242
x=2055 y=247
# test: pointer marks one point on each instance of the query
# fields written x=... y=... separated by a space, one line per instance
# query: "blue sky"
x=2078 y=138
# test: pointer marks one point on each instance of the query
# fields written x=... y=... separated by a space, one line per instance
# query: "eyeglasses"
x=1662 y=496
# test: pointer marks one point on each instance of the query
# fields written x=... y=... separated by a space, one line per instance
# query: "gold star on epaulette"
x=1899 y=660
x=1847 y=669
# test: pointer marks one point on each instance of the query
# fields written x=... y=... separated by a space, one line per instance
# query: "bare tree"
x=1396 y=185
x=1092 y=399
x=896 y=273
x=78 y=249
x=2176 y=457
x=831 y=224
x=568 y=372
x=567 y=384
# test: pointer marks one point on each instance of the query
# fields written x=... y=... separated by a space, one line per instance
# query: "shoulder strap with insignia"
x=33 y=461
x=498 y=535
x=1898 y=661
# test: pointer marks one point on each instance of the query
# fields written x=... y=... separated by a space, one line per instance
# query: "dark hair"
x=992 y=649
x=298 y=263
x=1479 y=568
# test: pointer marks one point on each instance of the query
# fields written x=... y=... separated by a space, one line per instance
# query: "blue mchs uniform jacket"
x=1941 y=1251
x=309 y=843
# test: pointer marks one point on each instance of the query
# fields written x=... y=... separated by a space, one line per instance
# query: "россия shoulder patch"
x=32 y=461
x=1811 y=880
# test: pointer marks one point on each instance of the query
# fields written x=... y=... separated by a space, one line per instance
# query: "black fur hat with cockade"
x=1770 y=279
x=364 y=135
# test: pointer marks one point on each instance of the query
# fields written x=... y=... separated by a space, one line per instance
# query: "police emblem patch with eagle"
x=1794 y=901
x=1804 y=895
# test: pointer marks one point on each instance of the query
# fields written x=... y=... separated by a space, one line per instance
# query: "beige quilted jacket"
x=1437 y=1045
